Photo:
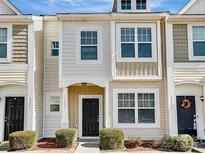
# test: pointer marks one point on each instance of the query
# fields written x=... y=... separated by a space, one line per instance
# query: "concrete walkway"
x=4 y=147
x=88 y=146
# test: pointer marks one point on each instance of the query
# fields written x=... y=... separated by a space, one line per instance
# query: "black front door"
x=186 y=113
x=90 y=117
x=14 y=115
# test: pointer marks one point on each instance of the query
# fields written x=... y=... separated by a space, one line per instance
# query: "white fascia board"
x=12 y=7
x=187 y=7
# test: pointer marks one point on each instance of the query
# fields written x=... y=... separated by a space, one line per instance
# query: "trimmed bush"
x=22 y=140
x=66 y=138
x=181 y=143
x=111 y=139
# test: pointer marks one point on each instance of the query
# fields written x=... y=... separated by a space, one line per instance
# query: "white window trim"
x=48 y=103
x=99 y=45
x=133 y=7
x=50 y=49
x=153 y=26
x=9 y=43
x=136 y=91
x=190 y=44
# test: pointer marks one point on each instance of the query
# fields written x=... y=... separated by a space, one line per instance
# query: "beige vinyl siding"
x=137 y=69
x=4 y=9
x=9 y=76
x=20 y=44
x=51 y=80
x=197 y=8
x=73 y=93
x=180 y=39
x=70 y=69
x=147 y=133
x=38 y=78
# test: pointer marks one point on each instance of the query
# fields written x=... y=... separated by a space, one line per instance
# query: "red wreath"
x=186 y=104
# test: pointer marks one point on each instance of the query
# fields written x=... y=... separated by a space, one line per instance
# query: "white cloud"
x=156 y=3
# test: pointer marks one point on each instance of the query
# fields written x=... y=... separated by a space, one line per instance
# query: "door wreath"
x=186 y=104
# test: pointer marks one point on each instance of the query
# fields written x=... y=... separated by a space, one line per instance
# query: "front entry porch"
x=191 y=110
x=85 y=109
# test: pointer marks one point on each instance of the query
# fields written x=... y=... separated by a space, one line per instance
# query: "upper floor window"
x=137 y=43
x=197 y=42
x=55 y=48
x=3 y=43
x=126 y=4
x=89 y=45
x=141 y=4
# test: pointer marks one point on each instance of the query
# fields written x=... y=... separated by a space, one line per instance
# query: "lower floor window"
x=55 y=104
x=137 y=107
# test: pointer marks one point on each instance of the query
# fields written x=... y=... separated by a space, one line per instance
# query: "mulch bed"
x=48 y=146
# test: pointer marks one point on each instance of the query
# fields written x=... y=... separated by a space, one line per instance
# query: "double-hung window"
x=198 y=35
x=137 y=43
x=3 y=43
x=126 y=5
x=126 y=108
x=54 y=104
x=55 y=48
x=128 y=42
x=89 y=45
x=141 y=4
x=136 y=107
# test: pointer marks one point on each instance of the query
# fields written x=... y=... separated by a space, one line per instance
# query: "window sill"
x=130 y=126
x=136 y=60
x=197 y=58
x=89 y=62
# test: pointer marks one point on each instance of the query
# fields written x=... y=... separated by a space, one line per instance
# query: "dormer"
x=131 y=6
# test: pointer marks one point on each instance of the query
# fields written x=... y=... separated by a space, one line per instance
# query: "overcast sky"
x=61 y=6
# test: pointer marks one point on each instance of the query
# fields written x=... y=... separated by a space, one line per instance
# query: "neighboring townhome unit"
x=106 y=70
x=21 y=71
x=186 y=69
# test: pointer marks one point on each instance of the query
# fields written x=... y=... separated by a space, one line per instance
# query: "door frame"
x=81 y=97
x=199 y=112
x=4 y=101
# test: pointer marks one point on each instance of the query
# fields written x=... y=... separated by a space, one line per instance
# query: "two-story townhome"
x=106 y=70
x=134 y=69
x=21 y=71
x=185 y=40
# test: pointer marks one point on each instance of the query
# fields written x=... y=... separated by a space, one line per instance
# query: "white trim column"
x=172 y=108
x=64 y=109
x=106 y=107
x=30 y=105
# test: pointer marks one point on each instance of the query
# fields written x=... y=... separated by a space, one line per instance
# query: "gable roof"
x=11 y=7
x=187 y=6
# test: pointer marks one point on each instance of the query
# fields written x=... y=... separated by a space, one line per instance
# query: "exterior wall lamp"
x=202 y=98
x=84 y=84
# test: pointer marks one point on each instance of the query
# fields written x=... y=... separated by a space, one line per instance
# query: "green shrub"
x=181 y=143
x=22 y=140
x=66 y=138
x=111 y=139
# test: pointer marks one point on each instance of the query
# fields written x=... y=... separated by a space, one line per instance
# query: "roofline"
x=112 y=16
x=187 y=6
x=185 y=18
x=12 y=7
x=19 y=19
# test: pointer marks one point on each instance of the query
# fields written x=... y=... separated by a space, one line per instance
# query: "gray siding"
x=20 y=44
x=180 y=38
